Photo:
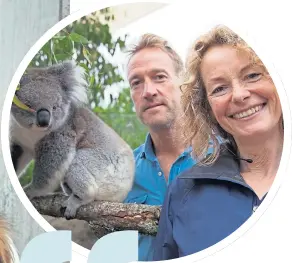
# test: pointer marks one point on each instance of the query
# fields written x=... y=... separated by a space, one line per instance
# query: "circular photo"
x=177 y=137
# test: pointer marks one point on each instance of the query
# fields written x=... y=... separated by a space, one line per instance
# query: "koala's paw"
x=63 y=207
x=70 y=212
x=62 y=210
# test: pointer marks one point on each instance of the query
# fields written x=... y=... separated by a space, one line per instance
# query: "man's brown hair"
x=153 y=41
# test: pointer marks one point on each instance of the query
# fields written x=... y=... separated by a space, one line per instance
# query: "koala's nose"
x=43 y=118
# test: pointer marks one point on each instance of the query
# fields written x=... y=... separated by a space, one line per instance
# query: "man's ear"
x=25 y=79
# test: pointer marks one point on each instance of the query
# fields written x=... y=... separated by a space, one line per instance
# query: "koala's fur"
x=76 y=149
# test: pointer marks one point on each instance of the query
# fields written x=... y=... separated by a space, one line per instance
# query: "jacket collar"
x=226 y=167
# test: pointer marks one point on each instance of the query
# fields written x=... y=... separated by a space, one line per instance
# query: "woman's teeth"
x=247 y=112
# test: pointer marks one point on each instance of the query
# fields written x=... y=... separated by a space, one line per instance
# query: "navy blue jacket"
x=203 y=205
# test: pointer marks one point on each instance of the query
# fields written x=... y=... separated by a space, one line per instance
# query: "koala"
x=71 y=146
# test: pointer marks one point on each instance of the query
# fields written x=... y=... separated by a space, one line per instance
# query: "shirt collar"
x=148 y=150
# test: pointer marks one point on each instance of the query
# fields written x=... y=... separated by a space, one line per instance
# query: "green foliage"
x=121 y=117
x=89 y=42
x=26 y=178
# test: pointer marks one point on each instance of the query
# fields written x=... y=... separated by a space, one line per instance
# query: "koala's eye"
x=54 y=107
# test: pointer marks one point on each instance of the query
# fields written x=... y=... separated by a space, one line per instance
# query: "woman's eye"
x=253 y=76
x=218 y=90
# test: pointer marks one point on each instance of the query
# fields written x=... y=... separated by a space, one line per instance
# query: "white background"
x=265 y=25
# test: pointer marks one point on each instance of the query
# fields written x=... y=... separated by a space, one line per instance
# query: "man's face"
x=154 y=88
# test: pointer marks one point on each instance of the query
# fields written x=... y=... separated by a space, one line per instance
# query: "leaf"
x=86 y=54
x=52 y=50
x=46 y=48
x=65 y=46
x=21 y=105
x=59 y=37
x=64 y=56
x=78 y=38
x=84 y=66
x=92 y=79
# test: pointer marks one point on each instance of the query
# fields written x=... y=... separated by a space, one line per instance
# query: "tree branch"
x=111 y=216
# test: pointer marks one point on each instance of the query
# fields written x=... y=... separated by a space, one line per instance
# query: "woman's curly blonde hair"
x=199 y=127
x=8 y=253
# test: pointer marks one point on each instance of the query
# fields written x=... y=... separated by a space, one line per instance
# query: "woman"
x=8 y=253
x=230 y=99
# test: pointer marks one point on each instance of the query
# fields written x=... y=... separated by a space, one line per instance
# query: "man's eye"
x=135 y=83
x=159 y=77
x=253 y=76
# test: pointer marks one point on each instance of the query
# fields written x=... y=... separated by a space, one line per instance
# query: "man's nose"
x=240 y=93
x=149 y=90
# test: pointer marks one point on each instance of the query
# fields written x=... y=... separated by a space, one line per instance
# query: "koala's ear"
x=72 y=79
x=25 y=79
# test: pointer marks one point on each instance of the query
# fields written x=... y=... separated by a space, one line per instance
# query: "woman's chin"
x=255 y=133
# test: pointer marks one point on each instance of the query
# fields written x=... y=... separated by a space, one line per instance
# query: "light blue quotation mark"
x=55 y=247
x=51 y=247
x=118 y=247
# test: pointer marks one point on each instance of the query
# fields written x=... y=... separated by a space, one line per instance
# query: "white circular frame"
x=79 y=253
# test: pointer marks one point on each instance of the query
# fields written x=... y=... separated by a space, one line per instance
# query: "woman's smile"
x=249 y=113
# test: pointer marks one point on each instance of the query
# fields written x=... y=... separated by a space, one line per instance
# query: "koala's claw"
x=70 y=213
x=62 y=210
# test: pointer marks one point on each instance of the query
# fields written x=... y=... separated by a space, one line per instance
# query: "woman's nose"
x=239 y=93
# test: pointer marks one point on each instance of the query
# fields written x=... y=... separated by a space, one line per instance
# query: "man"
x=155 y=73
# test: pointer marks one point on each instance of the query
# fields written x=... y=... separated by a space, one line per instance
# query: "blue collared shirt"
x=150 y=185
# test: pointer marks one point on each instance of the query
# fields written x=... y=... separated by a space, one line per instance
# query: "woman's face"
x=242 y=97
